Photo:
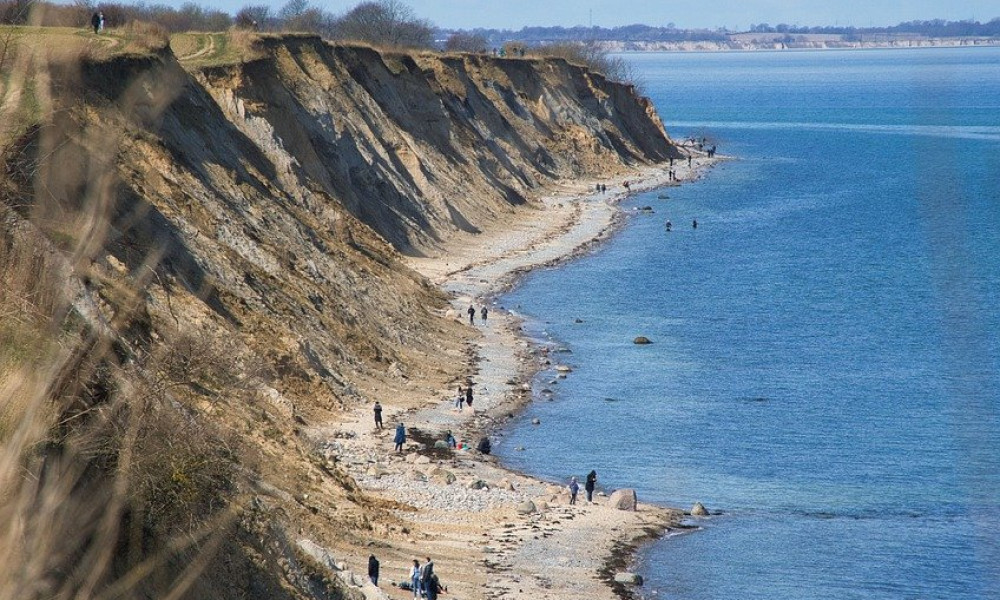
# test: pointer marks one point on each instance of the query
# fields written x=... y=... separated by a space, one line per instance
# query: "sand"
x=482 y=546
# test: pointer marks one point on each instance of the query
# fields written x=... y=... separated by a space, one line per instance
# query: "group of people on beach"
x=484 y=312
x=589 y=486
x=423 y=580
x=464 y=396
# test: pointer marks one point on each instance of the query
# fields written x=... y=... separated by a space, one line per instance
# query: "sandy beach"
x=461 y=508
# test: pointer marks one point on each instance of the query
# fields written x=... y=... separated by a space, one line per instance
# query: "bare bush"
x=596 y=58
x=466 y=42
x=387 y=23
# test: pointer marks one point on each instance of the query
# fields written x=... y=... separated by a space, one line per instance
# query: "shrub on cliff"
x=384 y=23
x=595 y=57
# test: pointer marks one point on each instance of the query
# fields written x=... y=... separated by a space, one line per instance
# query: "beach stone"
x=377 y=471
x=415 y=475
x=442 y=476
x=642 y=340
x=422 y=460
x=542 y=505
x=441 y=444
x=623 y=499
x=505 y=484
x=478 y=484
x=628 y=578
x=412 y=457
x=699 y=510
x=526 y=508
x=451 y=313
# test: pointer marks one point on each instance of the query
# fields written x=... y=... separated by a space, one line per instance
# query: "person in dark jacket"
x=378 y=415
x=433 y=587
x=400 y=438
x=95 y=22
x=373 y=569
x=484 y=445
x=590 y=484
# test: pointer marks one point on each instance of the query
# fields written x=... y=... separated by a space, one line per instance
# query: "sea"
x=824 y=373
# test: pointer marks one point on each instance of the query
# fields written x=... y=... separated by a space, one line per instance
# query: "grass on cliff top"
x=70 y=42
x=195 y=49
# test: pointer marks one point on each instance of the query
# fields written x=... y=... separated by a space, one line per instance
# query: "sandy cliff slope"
x=230 y=245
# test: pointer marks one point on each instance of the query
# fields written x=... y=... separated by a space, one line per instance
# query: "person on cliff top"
x=373 y=569
x=484 y=312
x=415 y=578
x=377 y=409
x=400 y=438
x=472 y=314
x=590 y=484
x=95 y=22
x=574 y=489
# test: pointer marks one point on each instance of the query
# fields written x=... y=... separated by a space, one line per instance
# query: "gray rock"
x=623 y=499
x=699 y=510
x=442 y=476
x=478 y=484
x=526 y=508
x=422 y=460
x=441 y=444
x=642 y=340
x=628 y=578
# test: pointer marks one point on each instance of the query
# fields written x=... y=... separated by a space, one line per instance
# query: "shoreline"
x=470 y=510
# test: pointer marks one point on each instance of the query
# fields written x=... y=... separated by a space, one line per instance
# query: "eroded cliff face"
x=263 y=207
x=417 y=146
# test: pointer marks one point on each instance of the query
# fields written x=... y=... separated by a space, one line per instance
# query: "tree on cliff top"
x=384 y=23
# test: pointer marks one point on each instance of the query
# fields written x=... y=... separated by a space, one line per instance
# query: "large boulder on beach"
x=441 y=445
x=526 y=508
x=422 y=460
x=505 y=484
x=477 y=484
x=442 y=476
x=642 y=340
x=623 y=499
x=416 y=475
x=628 y=578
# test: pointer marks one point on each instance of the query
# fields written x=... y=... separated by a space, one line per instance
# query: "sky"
x=687 y=14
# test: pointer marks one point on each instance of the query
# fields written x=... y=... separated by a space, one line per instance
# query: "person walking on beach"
x=590 y=484
x=373 y=569
x=378 y=415
x=400 y=438
x=574 y=489
x=483 y=312
x=472 y=314
x=425 y=576
x=689 y=161
x=415 y=578
x=468 y=394
x=459 y=399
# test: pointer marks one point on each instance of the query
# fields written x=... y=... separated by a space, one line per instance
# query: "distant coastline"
x=751 y=42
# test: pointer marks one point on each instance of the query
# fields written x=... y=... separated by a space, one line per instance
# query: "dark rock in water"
x=578 y=320
x=699 y=510
x=663 y=197
x=611 y=399
x=642 y=340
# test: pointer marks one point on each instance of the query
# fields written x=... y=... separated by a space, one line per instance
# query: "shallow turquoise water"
x=826 y=360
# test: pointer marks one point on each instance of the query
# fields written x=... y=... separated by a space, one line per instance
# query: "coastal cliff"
x=225 y=246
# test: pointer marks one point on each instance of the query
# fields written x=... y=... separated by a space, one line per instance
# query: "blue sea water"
x=826 y=360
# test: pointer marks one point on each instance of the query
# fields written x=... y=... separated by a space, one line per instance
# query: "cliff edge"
x=214 y=260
